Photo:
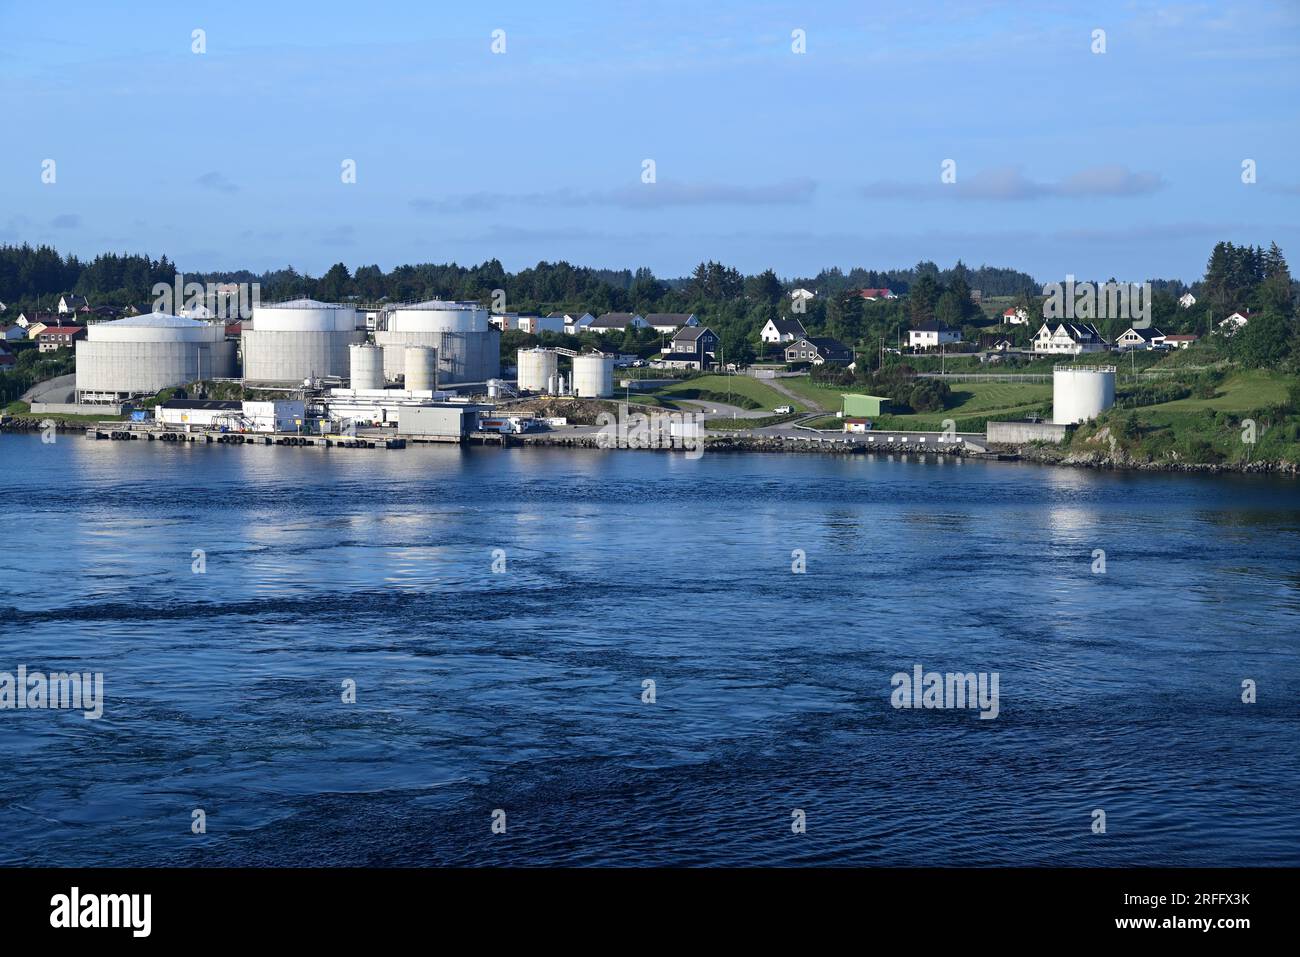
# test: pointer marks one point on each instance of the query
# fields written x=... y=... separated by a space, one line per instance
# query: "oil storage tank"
x=469 y=346
x=140 y=355
x=300 y=339
x=421 y=368
x=536 y=366
x=593 y=376
x=1080 y=393
x=366 y=363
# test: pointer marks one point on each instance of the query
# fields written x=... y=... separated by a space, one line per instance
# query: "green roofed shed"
x=856 y=405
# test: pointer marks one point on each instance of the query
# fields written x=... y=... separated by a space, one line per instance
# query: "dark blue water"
x=522 y=691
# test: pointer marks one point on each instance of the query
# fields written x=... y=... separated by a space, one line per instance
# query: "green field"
x=745 y=391
x=970 y=401
x=1243 y=392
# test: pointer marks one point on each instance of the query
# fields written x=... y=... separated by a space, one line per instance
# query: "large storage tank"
x=142 y=354
x=1080 y=393
x=300 y=339
x=536 y=366
x=367 y=366
x=593 y=376
x=469 y=346
x=421 y=368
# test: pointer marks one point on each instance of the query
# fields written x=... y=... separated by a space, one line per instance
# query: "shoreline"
x=828 y=445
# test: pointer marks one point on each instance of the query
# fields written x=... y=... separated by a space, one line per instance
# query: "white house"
x=70 y=304
x=1234 y=322
x=615 y=322
x=1187 y=300
x=574 y=322
x=535 y=325
x=1015 y=316
x=1068 y=338
x=505 y=321
x=802 y=294
x=930 y=334
x=670 y=323
x=782 y=330
x=1181 y=341
x=1135 y=338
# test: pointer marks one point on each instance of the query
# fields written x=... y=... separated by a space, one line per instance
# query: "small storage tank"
x=536 y=366
x=593 y=376
x=1080 y=393
x=367 y=365
x=421 y=368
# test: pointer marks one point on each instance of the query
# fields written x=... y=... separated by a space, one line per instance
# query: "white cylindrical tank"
x=143 y=354
x=536 y=366
x=367 y=365
x=298 y=340
x=593 y=376
x=438 y=316
x=1080 y=393
x=469 y=346
x=421 y=368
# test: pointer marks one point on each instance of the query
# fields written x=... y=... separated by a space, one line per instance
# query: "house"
x=1015 y=316
x=669 y=322
x=536 y=325
x=12 y=333
x=874 y=294
x=72 y=304
x=930 y=334
x=864 y=406
x=505 y=321
x=103 y=314
x=996 y=341
x=28 y=320
x=1068 y=338
x=782 y=330
x=802 y=295
x=615 y=322
x=1135 y=338
x=1187 y=300
x=818 y=350
x=694 y=347
x=7 y=362
x=857 y=425
x=573 y=321
x=1234 y=322
x=1180 y=341
x=51 y=338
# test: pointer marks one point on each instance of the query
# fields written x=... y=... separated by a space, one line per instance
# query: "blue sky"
x=1126 y=163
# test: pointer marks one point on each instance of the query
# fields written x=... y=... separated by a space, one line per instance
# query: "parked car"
x=783 y=410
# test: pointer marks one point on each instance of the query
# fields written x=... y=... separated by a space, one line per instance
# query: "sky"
x=1065 y=161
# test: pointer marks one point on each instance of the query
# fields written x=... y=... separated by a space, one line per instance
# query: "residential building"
x=51 y=338
x=615 y=322
x=12 y=333
x=692 y=347
x=1234 y=322
x=669 y=322
x=1068 y=338
x=1180 y=341
x=818 y=350
x=1135 y=338
x=574 y=322
x=802 y=295
x=1015 y=316
x=874 y=294
x=996 y=341
x=783 y=330
x=27 y=320
x=1187 y=300
x=505 y=321
x=536 y=325
x=931 y=335
x=70 y=304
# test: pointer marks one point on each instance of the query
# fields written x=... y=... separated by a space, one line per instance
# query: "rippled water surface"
x=522 y=691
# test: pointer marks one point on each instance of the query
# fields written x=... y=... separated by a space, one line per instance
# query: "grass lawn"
x=716 y=387
x=1243 y=392
x=828 y=397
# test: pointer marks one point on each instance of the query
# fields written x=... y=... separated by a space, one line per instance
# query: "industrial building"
x=1080 y=393
x=345 y=408
x=593 y=376
x=140 y=355
x=451 y=422
x=539 y=370
x=280 y=415
x=292 y=342
x=468 y=345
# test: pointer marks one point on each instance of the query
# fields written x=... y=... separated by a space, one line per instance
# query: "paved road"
x=59 y=389
x=794 y=397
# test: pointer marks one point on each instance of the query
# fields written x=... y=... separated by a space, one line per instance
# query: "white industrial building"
x=375 y=407
x=593 y=376
x=279 y=415
x=291 y=342
x=1081 y=393
x=468 y=345
x=142 y=354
